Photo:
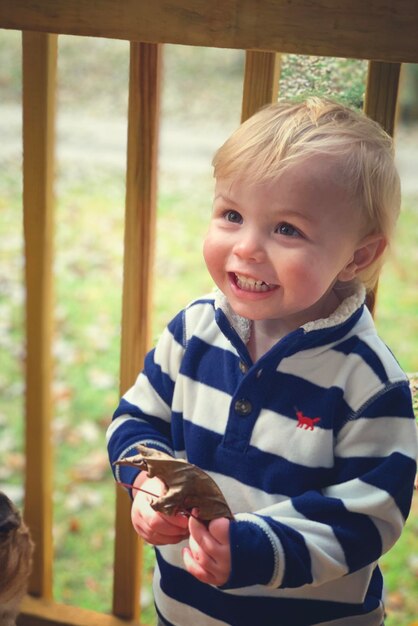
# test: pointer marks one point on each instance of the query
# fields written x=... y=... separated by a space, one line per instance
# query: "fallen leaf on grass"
x=91 y=584
x=395 y=601
x=74 y=525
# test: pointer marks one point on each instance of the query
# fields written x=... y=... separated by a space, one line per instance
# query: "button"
x=259 y=373
x=243 y=407
x=243 y=367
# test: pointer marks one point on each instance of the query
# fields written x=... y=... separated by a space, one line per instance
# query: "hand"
x=155 y=528
x=208 y=556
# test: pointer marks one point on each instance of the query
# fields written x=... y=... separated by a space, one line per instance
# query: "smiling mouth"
x=251 y=284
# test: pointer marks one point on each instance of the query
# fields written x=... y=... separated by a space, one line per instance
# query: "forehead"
x=311 y=180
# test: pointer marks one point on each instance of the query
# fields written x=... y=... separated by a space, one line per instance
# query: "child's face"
x=276 y=249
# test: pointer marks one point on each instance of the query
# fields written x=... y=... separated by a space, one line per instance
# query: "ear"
x=367 y=252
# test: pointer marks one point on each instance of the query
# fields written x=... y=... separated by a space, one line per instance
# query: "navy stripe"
x=250 y=539
x=176 y=328
x=126 y=408
x=217 y=367
x=250 y=610
x=274 y=474
x=177 y=431
x=356 y=533
x=264 y=387
x=287 y=394
x=393 y=401
x=297 y=557
x=349 y=468
x=354 y=345
x=154 y=424
x=161 y=382
x=395 y=475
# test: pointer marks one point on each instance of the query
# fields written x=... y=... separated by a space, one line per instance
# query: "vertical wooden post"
x=261 y=81
x=39 y=81
x=382 y=93
x=381 y=105
x=143 y=118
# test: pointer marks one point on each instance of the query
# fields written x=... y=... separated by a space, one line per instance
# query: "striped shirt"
x=313 y=446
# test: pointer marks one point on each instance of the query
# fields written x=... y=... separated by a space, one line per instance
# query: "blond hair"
x=282 y=134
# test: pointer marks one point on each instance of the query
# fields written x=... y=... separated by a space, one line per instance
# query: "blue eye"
x=287 y=230
x=233 y=216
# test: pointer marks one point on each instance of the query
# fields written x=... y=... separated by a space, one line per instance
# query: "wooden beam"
x=261 y=81
x=39 y=80
x=38 y=612
x=140 y=220
x=377 y=30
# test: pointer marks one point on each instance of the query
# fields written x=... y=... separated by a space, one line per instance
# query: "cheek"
x=305 y=273
x=212 y=253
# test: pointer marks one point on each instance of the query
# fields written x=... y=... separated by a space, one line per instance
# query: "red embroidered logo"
x=305 y=422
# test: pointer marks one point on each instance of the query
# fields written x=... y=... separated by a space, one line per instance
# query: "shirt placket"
x=244 y=409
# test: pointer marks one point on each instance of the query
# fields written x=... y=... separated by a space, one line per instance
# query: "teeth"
x=250 y=284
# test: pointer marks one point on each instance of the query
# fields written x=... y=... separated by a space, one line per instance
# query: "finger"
x=156 y=528
x=197 y=529
x=158 y=535
x=219 y=529
x=180 y=520
x=142 y=508
x=200 y=539
x=163 y=524
x=210 y=539
x=201 y=556
x=196 y=569
x=156 y=539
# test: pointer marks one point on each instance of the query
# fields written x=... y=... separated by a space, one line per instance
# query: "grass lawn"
x=88 y=270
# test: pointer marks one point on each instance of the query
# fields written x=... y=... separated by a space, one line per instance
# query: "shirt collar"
x=352 y=298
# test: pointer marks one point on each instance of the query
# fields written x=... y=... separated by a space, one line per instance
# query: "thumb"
x=219 y=529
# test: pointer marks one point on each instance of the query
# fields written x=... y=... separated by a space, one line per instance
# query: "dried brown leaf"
x=187 y=486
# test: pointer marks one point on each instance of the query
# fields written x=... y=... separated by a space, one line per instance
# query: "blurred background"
x=201 y=105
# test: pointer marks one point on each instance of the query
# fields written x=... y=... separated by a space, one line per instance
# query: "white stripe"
x=168 y=354
x=317 y=365
x=200 y=320
x=203 y=405
x=146 y=399
x=374 y=437
x=117 y=423
x=279 y=435
x=243 y=498
x=394 y=373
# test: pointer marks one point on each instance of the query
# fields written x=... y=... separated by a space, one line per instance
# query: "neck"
x=264 y=335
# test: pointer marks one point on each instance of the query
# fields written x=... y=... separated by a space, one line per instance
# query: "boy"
x=279 y=387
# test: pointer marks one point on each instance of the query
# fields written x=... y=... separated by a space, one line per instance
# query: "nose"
x=250 y=246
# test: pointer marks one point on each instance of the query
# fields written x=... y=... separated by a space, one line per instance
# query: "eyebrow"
x=288 y=213
x=223 y=197
x=296 y=213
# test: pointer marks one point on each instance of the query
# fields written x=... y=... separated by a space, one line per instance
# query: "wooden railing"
x=383 y=32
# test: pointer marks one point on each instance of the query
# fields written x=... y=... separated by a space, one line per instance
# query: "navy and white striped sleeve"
x=144 y=412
